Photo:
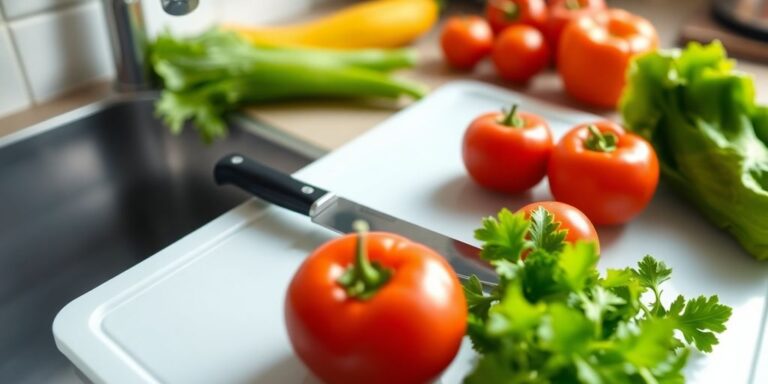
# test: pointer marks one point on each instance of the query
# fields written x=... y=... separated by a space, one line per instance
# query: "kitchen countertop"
x=326 y=125
x=74 y=99
x=329 y=124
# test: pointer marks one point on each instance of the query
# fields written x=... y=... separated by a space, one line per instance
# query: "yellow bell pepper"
x=370 y=24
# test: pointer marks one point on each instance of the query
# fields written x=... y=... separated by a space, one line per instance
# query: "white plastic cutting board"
x=208 y=309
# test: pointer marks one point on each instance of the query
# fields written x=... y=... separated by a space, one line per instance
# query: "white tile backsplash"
x=263 y=12
x=19 y=8
x=63 y=50
x=200 y=19
x=210 y=12
x=13 y=93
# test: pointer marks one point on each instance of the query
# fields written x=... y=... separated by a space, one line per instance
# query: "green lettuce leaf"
x=701 y=117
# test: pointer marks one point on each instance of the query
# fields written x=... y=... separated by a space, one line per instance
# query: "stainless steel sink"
x=88 y=195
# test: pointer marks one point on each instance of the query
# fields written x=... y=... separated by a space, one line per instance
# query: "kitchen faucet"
x=130 y=42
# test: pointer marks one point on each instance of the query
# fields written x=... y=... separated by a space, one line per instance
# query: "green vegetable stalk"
x=555 y=319
x=710 y=135
x=208 y=76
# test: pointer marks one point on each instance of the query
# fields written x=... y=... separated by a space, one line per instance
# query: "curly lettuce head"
x=710 y=135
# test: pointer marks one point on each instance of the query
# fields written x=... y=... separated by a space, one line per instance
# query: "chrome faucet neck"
x=179 y=7
x=130 y=43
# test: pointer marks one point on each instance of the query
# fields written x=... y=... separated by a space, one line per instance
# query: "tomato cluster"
x=607 y=173
x=591 y=45
x=510 y=34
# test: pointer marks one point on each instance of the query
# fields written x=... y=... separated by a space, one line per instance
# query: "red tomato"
x=595 y=51
x=507 y=152
x=608 y=174
x=465 y=41
x=570 y=218
x=519 y=53
x=504 y=13
x=401 y=323
x=563 y=11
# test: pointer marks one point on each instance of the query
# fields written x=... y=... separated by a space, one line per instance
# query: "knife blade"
x=338 y=213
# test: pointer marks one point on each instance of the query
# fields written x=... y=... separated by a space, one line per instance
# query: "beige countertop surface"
x=330 y=124
x=326 y=125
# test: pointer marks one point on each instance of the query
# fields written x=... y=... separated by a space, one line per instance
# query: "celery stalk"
x=208 y=76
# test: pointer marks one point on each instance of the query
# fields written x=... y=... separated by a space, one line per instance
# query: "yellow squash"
x=370 y=24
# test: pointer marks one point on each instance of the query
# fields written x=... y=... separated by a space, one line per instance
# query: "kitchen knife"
x=338 y=214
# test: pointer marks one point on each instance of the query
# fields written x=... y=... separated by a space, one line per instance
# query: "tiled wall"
x=49 y=47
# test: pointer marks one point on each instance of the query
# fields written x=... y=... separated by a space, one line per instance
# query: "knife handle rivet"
x=236 y=159
x=307 y=190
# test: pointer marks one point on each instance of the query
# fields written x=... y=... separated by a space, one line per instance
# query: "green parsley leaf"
x=503 y=237
x=481 y=342
x=652 y=272
x=671 y=370
x=577 y=265
x=677 y=306
x=700 y=320
x=545 y=232
x=565 y=330
x=586 y=372
x=553 y=319
x=650 y=345
x=514 y=314
x=506 y=269
x=624 y=284
x=538 y=274
x=617 y=278
x=477 y=301
x=492 y=369
x=599 y=302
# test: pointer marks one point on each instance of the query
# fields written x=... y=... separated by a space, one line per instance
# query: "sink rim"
x=246 y=122
x=73 y=115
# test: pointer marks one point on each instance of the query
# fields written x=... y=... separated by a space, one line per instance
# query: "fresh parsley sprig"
x=554 y=319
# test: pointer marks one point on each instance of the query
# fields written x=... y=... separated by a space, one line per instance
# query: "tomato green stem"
x=511 y=119
x=572 y=4
x=600 y=141
x=511 y=11
x=363 y=279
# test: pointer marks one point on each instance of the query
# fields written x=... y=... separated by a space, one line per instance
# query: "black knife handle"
x=267 y=183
